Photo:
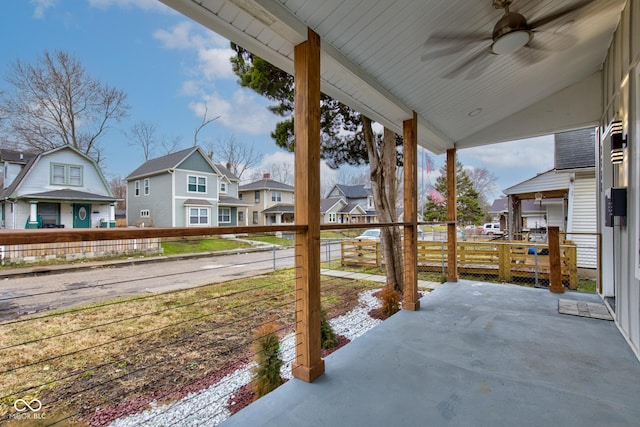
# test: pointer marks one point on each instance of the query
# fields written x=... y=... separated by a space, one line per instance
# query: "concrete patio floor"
x=475 y=354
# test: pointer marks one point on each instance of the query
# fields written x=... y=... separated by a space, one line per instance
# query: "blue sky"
x=171 y=68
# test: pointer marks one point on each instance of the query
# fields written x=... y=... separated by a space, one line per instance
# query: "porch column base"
x=411 y=306
x=308 y=374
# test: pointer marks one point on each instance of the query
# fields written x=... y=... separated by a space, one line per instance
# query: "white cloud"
x=534 y=153
x=40 y=7
x=241 y=113
x=213 y=51
x=153 y=5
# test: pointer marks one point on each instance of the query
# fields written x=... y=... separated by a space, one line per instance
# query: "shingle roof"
x=350 y=207
x=279 y=208
x=575 y=149
x=197 y=202
x=231 y=201
x=266 y=184
x=226 y=172
x=16 y=156
x=160 y=164
x=354 y=191
x=326 y=204
x=12 y=187
x=66 y=194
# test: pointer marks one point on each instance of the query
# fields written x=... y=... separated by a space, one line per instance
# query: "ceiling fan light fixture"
x=510 y=42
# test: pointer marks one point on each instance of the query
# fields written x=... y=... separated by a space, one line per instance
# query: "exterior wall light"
x=618 y=143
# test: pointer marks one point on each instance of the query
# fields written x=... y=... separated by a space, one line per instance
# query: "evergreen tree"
x=469 y=210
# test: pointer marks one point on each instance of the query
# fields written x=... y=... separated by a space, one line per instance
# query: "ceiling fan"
x=512 y=35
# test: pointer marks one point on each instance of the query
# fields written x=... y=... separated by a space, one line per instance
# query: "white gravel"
x=208 y=407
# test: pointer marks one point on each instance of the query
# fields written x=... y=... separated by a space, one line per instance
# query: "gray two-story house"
x=182 y=189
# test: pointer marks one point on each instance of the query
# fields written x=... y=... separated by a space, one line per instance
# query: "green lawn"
x=212 y=244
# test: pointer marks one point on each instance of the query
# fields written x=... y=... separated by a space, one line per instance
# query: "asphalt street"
x=30 y=294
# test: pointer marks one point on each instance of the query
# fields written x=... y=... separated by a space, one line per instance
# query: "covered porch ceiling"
x=389 y=58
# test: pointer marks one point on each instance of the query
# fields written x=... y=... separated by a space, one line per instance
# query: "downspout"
x=570 y=204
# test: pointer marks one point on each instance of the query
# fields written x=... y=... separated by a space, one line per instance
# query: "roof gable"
x=352 y=191
x=40 y=157
x=266 y=184
x=175 y=160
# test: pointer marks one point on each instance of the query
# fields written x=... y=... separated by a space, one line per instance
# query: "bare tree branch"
x=55 y=102
x=237 y=156
x=142 y=134
x=202 y=125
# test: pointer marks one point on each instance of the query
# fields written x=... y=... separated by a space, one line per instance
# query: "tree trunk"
x=382 y=163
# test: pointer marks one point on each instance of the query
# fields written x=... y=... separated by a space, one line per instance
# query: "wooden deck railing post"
x=555 y=266
x=308 y=364
x=410 y=151
x=452 y=235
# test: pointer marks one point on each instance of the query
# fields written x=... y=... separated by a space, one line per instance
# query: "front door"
x=81 y=215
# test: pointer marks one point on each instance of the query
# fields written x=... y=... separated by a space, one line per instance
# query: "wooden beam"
x=452 y=234
x=555 y=273
x=410 y=150
x=308 y=364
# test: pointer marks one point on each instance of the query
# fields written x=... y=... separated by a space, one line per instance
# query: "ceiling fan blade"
x=442 y=38
x=441 y=52
x=480 y=67
x=559 y=14
x=551 y=41
x=530 y=55
x=460 y=68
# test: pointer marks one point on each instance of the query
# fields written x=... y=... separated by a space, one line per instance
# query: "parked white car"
x=491 y=228
x=370 y=234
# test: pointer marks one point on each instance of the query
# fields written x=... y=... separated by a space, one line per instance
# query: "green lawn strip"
x=211 y=244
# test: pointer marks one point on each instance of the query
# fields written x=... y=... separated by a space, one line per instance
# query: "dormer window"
x=223 y=187
x=370 y=204
x=62 y=174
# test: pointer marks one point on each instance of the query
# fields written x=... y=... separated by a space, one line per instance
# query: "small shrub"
x=327 y=335
x=266 y=349
x=390 y=301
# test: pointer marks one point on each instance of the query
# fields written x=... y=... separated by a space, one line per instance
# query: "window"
x=370 y=202
x=198 y=216
x=257 y=197
x=276 y=196
x=332 y=217
x=223 y=187
x=224 y=215
x=66 y=174
x=136 y=186
x=75 y=175
x=240 y=196
x=146 y=187
x=240 y=217
x=255 y=217
x=144 y=213
x=197 y=184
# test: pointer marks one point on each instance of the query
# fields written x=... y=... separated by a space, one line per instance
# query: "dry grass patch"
x=95 y=356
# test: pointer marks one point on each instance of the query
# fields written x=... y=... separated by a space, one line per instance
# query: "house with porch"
x=567 y=193
x=183 y=189
x=432 y=85
x=59 y=188
x=359 y=206
x=337 y=210
x=270 y=201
